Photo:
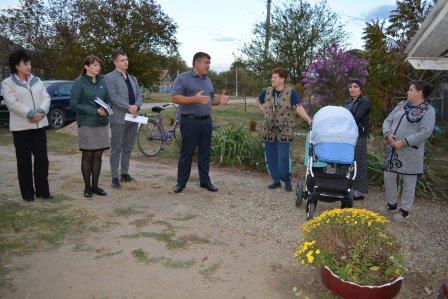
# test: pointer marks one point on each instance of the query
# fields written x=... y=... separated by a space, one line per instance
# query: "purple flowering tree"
x=326 y=79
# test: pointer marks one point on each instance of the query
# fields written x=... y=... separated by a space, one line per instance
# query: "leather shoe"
x=288 y=187
x=29 y=199
x=127 y=178
x=99 y=191
x=209 y=187
x=115 y=183
x=88 y=193
x=179 y=188
x=274 y=185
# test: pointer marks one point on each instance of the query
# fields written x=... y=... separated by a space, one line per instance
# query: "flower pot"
x=350 y=290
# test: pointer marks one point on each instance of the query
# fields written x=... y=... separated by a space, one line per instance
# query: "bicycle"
x=152 y=136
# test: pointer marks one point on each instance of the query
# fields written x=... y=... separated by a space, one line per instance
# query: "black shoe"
x=30 y=199
x=359 y=197
x=99 y=191
x=88 y=193
x=288 y=187
x=179 y=188
x=127 y=178
x=115 y=183
x=274 y=185
x=209 y=187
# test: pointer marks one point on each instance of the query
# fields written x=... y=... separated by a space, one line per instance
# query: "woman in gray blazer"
x=406 y=130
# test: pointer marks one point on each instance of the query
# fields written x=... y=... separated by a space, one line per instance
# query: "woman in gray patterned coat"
x=406 y=129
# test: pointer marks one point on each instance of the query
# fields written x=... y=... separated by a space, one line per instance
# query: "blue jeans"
x=277 y=156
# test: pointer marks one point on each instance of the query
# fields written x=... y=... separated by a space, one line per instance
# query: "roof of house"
x=428 y=49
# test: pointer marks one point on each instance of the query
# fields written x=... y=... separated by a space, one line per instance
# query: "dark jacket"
x=360 y=110
x=82 y=100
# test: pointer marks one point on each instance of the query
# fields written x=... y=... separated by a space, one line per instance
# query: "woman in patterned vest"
x=278 y=104
x=406 y=130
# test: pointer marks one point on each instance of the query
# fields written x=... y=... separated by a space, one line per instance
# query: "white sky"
x=221 y=27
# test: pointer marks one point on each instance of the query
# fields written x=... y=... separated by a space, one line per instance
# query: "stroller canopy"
x=334 y=124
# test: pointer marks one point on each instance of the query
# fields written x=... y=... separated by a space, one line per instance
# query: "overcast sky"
x=221 y=27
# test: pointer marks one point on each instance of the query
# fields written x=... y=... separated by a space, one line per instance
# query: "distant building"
x=166 y=81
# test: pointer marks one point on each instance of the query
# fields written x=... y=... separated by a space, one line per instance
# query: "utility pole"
x=236 y=81
x=267 y=30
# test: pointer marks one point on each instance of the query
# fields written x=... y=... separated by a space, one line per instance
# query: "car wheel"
x=56 y=118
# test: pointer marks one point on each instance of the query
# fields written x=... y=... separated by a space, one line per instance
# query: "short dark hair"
x=118 y=53
x=200 y=55
x=282 y=72
x=423 y=86
x=361 y=84
x=16 y=57
x=88 y=61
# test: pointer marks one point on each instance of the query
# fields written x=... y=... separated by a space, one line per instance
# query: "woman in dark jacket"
x=92 y=121
x=359 y=106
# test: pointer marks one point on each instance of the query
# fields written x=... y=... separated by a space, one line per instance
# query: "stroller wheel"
x=310 y=208
x=347 y=202
x=299 y=194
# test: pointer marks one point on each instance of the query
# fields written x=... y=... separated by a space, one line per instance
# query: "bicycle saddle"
x=157 y=109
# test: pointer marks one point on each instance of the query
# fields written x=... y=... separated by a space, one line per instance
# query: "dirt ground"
x=147 y=242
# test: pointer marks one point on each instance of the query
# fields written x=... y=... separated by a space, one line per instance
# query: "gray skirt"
x=93 y=138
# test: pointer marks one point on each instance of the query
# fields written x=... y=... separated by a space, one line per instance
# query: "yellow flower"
x=317 y=251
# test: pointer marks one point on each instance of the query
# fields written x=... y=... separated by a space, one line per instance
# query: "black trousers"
x=195 y=132
x=26 y=143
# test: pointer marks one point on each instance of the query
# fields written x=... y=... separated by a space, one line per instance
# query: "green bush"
x=428 y=184
x=233 y=145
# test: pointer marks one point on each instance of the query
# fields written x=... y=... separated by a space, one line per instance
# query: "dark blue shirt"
x=295 y=99
x=130 y=90
x=188 y=84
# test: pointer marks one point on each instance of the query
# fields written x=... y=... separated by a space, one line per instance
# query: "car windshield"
x=47 y=83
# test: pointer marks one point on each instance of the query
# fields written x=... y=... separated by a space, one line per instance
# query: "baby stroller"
x=329 y=159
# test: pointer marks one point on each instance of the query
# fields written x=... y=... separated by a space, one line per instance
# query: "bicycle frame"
x=168 y=135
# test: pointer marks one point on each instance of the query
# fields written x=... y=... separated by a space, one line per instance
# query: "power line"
x=246 y=8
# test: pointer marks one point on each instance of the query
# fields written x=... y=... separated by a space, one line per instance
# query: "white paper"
x=104 y=105
x=136 y=119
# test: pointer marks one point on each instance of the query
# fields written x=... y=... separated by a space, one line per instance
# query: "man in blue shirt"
x=194 y=93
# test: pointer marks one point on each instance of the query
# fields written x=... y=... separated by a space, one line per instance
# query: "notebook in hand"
x=104 y=105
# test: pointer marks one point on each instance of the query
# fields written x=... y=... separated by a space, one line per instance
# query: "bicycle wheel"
x=150 y=138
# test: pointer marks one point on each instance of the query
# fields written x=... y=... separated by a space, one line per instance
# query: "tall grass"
x=235 y=146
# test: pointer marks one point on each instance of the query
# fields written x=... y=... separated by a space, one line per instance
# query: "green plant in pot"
x=357 y=256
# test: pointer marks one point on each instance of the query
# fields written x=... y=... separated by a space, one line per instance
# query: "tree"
x=299 y=32
x=30 y=28
x=61 y=33
x=139 y=28
x=406 y=19
x=325 y=80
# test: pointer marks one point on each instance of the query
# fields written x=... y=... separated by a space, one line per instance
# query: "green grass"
x=24 y=229
x=208 y=272
x=106 y=252
x=142 y=256
x=168 y=236
x=177 y=264
x=156 y=97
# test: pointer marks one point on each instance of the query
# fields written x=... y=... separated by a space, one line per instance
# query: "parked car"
x=60 y=112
